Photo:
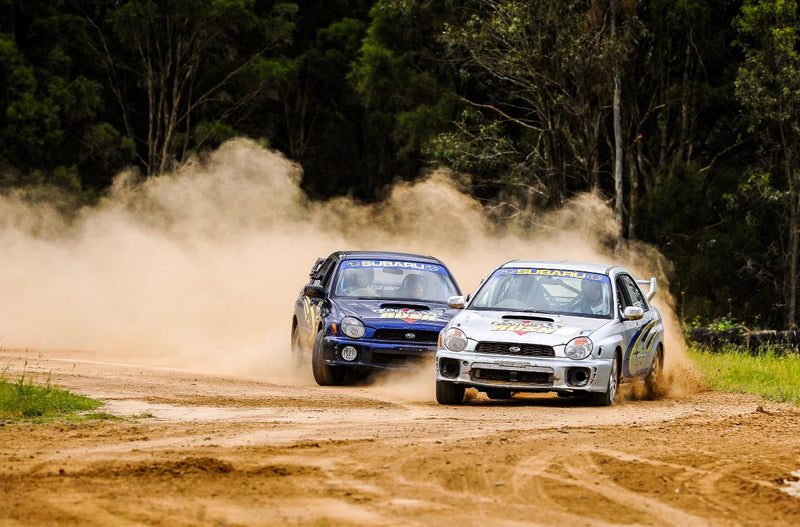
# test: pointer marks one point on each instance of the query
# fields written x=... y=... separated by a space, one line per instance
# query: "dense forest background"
x=683 y=114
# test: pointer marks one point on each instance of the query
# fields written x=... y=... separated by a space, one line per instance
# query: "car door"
x=313 y=308
x=630 y=328
x=639 y=349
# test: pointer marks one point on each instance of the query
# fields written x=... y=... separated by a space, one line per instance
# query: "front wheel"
x=449 y=392
x=607 y=397
x=324 y=374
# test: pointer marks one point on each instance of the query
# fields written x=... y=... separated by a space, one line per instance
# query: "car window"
x=322 y=272
x=315 y=268
x=558 y=291
x=394 y=279
x=622 y=294
x=326 y=271
x=634 y=293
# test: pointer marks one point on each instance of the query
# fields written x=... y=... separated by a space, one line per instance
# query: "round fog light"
x=349 y=353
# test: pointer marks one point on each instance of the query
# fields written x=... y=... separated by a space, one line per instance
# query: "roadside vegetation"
x=28 y=398
x=770 y=373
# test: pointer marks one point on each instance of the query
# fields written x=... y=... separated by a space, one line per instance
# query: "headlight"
x=578 y=348
x=353 y=328
x=455 y=340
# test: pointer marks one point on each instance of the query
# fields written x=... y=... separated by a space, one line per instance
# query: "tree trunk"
x=794 y=236
x=617 y=133
x=683 y=137
x=618 y=154
x=633 y=178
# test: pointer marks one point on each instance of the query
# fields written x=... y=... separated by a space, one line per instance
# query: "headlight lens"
x=353 y=328
x=455 y=340
x=578 y=348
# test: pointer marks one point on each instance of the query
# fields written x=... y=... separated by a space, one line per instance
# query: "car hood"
x=386 y=313
x=510 y=326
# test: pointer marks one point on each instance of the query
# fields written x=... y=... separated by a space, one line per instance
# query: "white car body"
x=520 y=346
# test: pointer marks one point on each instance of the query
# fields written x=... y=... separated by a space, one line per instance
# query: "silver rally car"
x=543 y=326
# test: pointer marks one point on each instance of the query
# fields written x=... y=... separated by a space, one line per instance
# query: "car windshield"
x=558 y=291
x=394 y=279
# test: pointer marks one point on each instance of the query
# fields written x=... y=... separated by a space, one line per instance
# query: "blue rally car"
x=368 y=311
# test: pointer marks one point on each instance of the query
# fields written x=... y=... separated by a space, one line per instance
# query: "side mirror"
x=457 y=302
x=314 y=291
x=632 y=313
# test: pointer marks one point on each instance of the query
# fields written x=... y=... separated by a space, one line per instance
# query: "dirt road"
x=196 y=449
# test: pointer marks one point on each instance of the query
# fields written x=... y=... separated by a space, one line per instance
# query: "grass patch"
x=770 y=374
x=25 y=399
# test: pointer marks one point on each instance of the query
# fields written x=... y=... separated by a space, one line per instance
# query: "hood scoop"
x=523 y=317
x=415 y=307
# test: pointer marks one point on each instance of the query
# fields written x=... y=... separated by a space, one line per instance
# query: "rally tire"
x=449 y=392
x=607 y=397
x=324 y=374
x=299 y=358
x=654 y=376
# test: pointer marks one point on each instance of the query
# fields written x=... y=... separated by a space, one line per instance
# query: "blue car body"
x=400 y=323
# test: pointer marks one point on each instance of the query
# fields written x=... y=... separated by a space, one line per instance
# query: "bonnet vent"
x=415 y=307
x=523 y=317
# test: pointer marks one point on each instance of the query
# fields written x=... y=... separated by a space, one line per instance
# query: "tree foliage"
x=768 y=88
x=170 y=62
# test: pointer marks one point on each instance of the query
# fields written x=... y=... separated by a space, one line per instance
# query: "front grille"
x=530 y=377
x=526 y=350
x=401 y=335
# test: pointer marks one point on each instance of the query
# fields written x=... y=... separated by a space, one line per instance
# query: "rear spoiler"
x=653 y=287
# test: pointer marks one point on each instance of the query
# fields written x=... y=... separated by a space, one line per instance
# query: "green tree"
x=768 y=88
x=404 y=82
x=174 y=64
x=548 y=78
x=320 y=116
x=52 y=100
x=620 y=17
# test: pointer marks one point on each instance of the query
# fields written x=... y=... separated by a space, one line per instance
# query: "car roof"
x=386 y=255
x=597 y=268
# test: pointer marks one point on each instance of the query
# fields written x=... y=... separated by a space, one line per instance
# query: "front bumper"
x=522 y=374
x=376 y=355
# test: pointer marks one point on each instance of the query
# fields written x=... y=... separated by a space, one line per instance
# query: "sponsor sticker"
x=408 y=315
x=553 y=272
x=523 y=327
x=395 y=264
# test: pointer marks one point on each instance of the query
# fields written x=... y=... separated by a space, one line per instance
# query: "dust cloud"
x=200 y=269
